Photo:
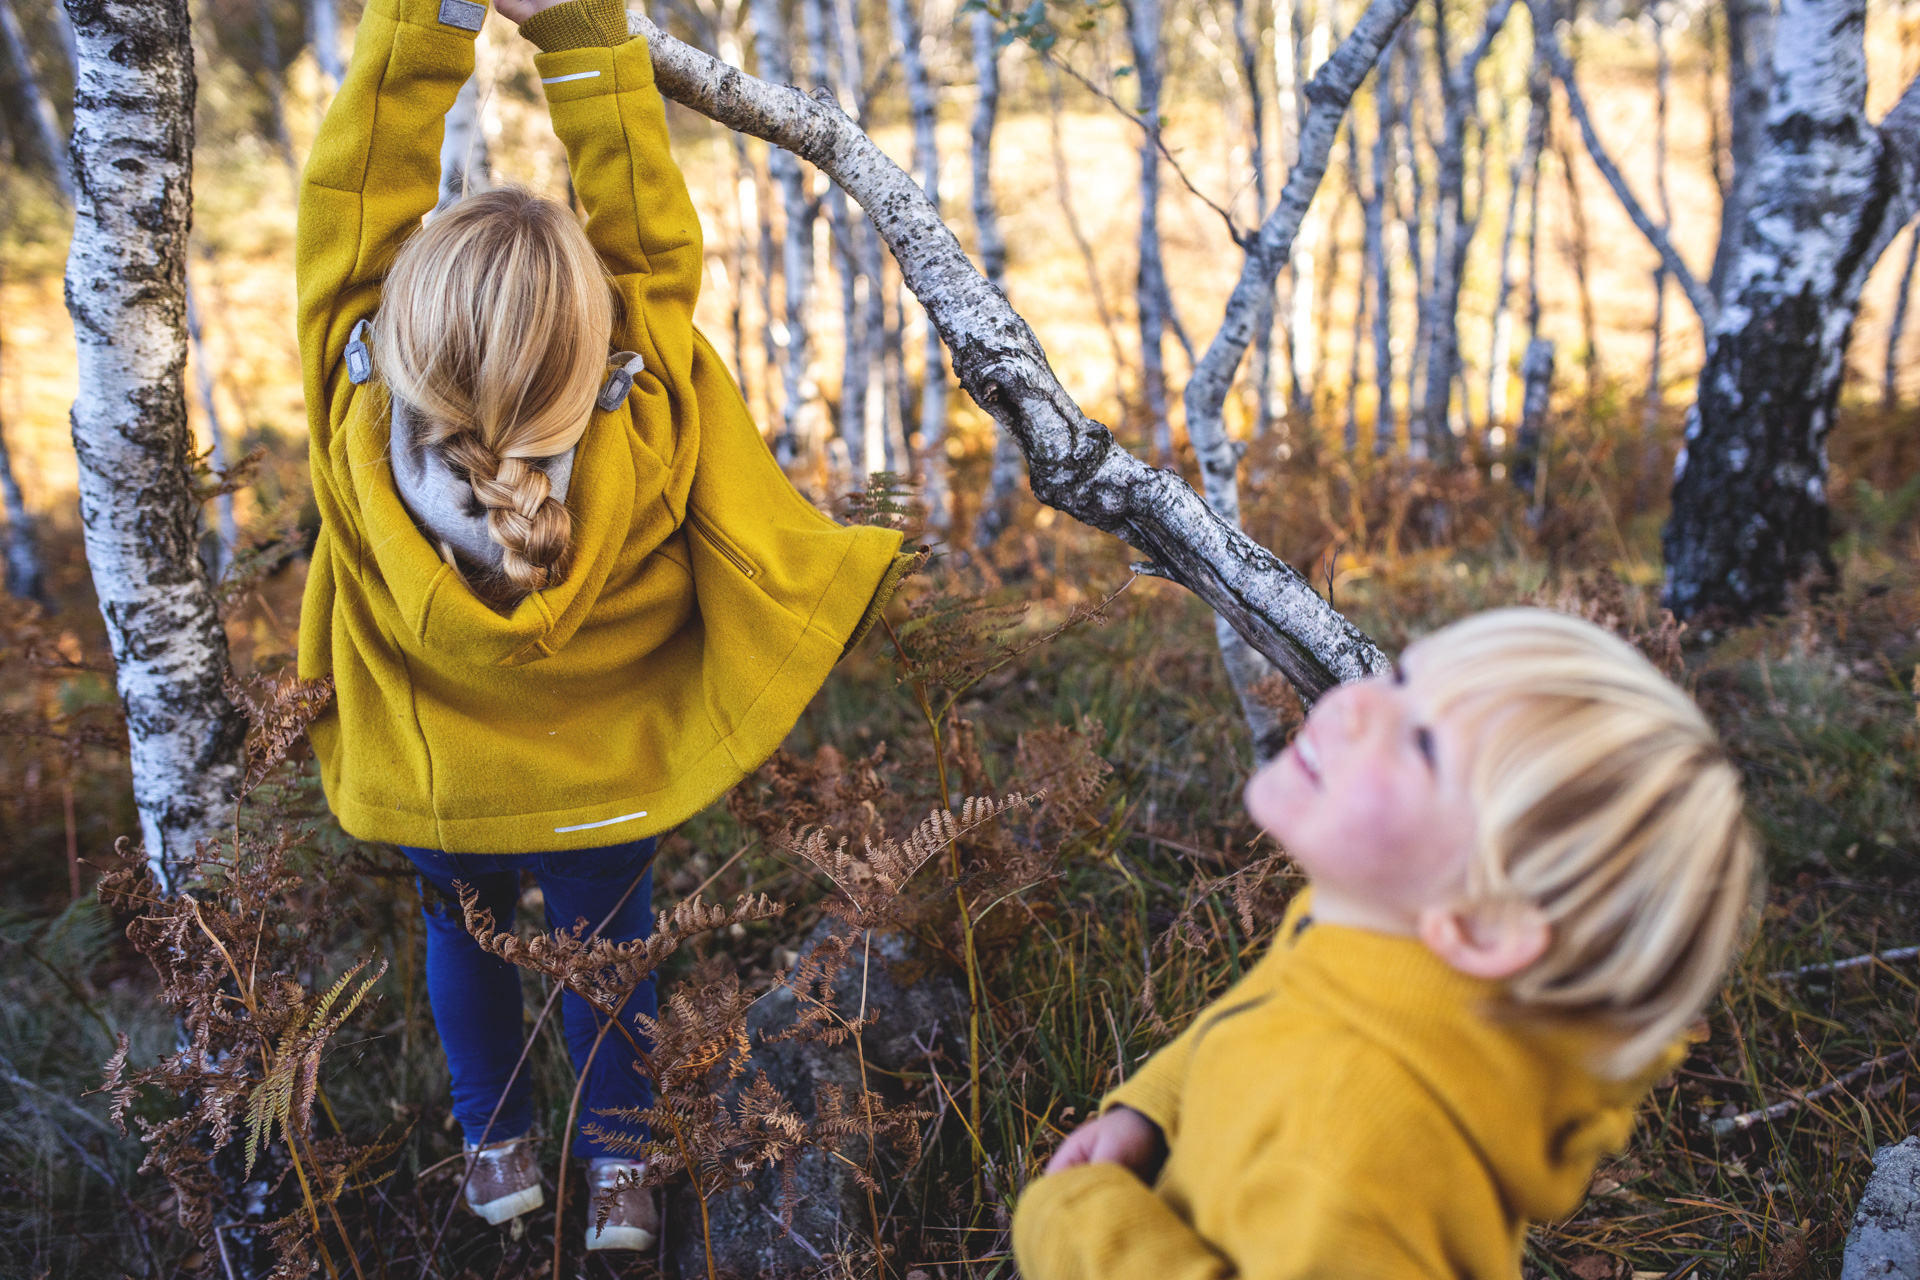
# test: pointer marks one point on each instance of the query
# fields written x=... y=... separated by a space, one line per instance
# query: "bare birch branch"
x=1074 y=463
x=1703 y=302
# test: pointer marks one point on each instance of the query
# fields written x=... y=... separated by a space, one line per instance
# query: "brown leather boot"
x=632 y=1221
x=503 y=1180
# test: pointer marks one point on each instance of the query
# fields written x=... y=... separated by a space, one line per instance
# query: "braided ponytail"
x=494 y=329
x=534 y=530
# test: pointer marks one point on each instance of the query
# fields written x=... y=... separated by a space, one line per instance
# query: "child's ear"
x=1486 y=942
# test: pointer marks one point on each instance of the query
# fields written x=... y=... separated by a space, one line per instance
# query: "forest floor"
x=1134 y=909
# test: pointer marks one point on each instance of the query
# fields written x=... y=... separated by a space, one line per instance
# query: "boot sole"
x=620 y=1238
x=507 y=1208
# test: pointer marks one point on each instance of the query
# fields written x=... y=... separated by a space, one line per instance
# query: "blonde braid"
x=535 y=531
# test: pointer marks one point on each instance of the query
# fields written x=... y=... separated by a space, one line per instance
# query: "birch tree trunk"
x=926 y=158
x=1453 y=231
x=1143 y=29
x=827 y=77
x=35 y=111
x=1386 y=422
x=1703 y=300
x=1003 y=482
x=1303 y=261
x=227 y=530
x=126 y=289
x=25 y=579
x=1830 y=191
x=1074 y=463
x=1890 y=386
x=1247 y=41
x=323 y=33
x=275 y=73
x=796 y=244
x=465 y=165
x=1530 y=442
x=1749 y=83
x=1523 y=175
x=1663 y=83
x=1328 y=94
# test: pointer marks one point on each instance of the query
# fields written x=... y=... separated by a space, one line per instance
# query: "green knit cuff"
x=578 y=24
x=904 y=563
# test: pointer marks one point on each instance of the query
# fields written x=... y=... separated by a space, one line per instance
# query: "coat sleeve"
x=374 y=172
x=1288 y=1222
x=640 y=216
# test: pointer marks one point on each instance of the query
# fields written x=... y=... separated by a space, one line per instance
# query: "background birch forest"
x=1394 y=312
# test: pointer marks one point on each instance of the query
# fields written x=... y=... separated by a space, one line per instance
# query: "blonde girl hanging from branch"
x=566 y=595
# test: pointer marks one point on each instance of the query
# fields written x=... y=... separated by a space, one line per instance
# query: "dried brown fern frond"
x=832 y=789
x=874 y=882
x=605 y=972
x=238 y=956
x=839 y=1119
x=278 y=713
x=1065 y=763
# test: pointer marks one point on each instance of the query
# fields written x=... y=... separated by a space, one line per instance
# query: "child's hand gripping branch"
x=1528 y=869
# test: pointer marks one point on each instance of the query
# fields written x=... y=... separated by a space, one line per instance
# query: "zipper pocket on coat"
x=723 y=544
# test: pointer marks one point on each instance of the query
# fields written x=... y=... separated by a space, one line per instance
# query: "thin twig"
x=1796 y=1099
x=1835 y=966
x=1152 y=130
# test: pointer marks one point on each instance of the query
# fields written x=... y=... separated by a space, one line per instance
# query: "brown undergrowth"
x=1101 y=886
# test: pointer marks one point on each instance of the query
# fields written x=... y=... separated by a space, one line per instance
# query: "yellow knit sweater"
x=707 y=599
x=1348 y=1109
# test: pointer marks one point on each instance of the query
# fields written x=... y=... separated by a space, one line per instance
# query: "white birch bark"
x=1453 y=230
x=42 y=124
x=1750 y=515
x=926 y=158
x=126 y=289
x=1074 y=463
x=1749 y=83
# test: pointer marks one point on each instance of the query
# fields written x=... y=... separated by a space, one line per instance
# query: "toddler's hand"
x=520 y=10
x=1122 y=1136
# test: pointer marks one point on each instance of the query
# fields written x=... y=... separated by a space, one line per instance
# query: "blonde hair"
x=493 y=328
x=1605 y=801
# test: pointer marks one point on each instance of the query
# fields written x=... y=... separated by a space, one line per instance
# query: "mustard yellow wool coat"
x=1352 y=1107
x=707 y=600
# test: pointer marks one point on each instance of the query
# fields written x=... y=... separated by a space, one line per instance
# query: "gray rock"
x=1885 y=1241
x=831 y=1213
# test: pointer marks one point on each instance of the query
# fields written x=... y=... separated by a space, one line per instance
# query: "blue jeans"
x=476 y=996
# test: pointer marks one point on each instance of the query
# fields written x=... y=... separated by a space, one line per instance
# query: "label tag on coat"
x=620 y=384
x=359 y=359
x=463 y=14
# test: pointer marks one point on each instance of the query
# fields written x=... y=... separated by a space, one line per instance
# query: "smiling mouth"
x=1308 y=755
